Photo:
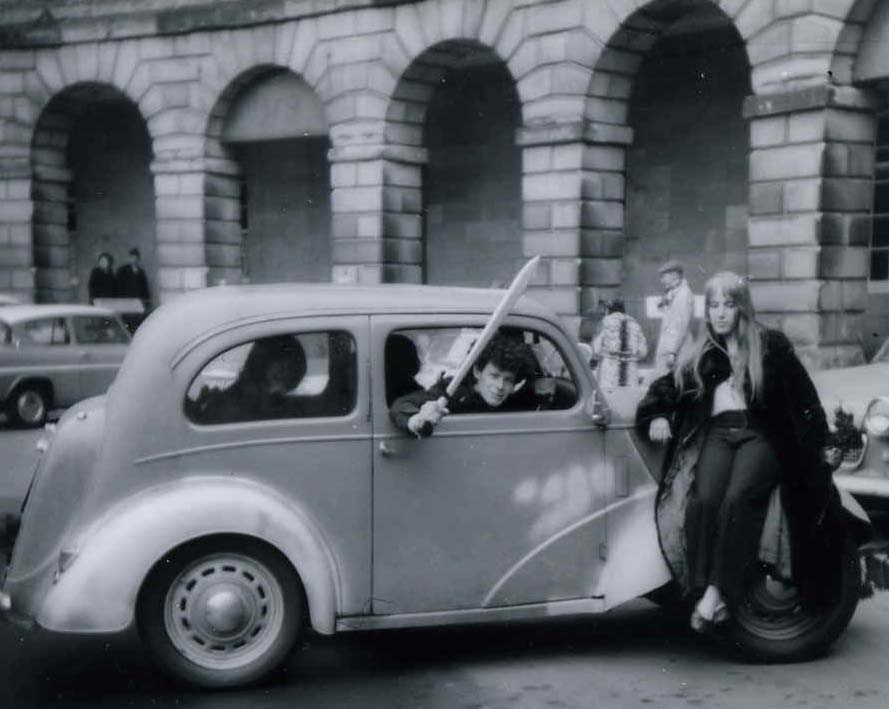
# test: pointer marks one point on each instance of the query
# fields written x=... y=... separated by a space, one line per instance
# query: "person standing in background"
x=619 y=346
x=131 y=279
x=133 y=283
x=102 y=283
x=677 y=307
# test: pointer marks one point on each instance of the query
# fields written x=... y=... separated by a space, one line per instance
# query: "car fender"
x=99 y=578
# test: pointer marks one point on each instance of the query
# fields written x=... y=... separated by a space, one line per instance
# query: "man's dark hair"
x=509 y=353
x=135 y=252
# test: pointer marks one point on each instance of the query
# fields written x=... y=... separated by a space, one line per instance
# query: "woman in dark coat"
x=102 y=282
x=741 y=416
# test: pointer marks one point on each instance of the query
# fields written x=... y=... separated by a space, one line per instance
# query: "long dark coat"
x=790 y=414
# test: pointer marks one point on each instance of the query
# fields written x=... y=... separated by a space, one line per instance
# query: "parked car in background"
x=224 y=531
x=52 y=356
x=863 y=392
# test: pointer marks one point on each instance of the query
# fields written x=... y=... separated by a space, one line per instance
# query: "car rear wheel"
x=28 y=406
x=221 y=612
x=773 y=625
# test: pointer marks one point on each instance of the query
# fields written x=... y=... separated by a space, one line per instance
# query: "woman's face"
x=722 y=312
x=104 y=263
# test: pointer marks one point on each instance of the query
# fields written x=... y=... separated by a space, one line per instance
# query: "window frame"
x=56 y=320
x=880 y=181
x=246 y=338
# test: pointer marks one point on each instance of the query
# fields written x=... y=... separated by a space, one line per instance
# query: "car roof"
x=319 y=298
x=13 y=314
x=178 y=326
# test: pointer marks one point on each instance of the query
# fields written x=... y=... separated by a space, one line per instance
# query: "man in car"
x=506 y=362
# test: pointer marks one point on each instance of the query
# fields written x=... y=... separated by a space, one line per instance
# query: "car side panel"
x=57 y=364
x=98 y=589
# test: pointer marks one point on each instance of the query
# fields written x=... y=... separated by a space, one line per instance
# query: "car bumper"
x=863 y=483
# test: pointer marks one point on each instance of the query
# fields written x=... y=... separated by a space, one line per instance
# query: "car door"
x=100 y=344
x=494 y=509
x=43 y=352
x=315 y=454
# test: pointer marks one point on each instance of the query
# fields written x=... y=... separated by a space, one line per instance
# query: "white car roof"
x=12 y=314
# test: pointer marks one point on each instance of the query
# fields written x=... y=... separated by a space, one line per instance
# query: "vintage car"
x=863 y=392
x=52 y=356
x=225 y=532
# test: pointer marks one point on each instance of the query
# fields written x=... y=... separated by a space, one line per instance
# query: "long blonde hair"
x=747 y=361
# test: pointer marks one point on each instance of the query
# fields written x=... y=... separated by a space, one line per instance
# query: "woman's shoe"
x=721 y=613
x=698 y=622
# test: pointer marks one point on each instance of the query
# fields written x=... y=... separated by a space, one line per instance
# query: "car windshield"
x=882 y=354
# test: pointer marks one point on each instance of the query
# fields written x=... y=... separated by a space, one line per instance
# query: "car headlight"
x=877 y=425
x=876 y=418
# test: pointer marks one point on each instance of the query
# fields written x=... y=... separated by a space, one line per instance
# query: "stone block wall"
x=375 y=67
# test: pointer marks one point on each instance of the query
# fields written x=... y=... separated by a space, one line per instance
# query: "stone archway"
x=458 y=102
x=267 y=204
x=676 y=74
x=92 y=188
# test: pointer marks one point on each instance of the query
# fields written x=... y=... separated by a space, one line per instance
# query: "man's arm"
x=418 y=412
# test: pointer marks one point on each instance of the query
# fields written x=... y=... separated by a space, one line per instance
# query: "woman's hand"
x=659 y=430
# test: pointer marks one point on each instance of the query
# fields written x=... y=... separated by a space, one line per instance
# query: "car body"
x=52 y=356
x=214 y=534
x=862 y=391
x=6 y=299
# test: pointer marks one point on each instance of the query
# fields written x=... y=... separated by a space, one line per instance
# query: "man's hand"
x=429 y=415
x=659 y=430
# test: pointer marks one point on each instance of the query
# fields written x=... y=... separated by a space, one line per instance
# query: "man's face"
x=670 y=279
x=494 y=384
x=134 y=260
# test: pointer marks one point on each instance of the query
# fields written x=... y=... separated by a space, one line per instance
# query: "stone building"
x=445 y=141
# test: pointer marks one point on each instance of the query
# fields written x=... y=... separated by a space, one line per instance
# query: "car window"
x=99 y=330
x=303 y=375
x=5 y=334
x=46 y=331
x=421 y=358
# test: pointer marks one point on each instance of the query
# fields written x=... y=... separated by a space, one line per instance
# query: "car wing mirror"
x=598 y=410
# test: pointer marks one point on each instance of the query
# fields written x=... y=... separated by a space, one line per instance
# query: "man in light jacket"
x=677 y=307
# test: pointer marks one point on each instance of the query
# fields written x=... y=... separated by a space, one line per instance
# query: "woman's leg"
x=755 y=473
x=712 y=478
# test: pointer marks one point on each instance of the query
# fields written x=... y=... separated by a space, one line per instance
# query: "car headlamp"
x=877 y=425
x=876 y=418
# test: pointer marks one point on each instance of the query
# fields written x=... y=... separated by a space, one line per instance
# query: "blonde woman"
x=740 y=416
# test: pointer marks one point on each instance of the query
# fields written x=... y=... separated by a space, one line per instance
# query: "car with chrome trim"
x=224 y=521
x=862 y=392
x=54 y=355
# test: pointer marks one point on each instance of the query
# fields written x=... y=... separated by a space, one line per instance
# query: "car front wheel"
x=221 y=612
x=28 y=406
x=773 y=625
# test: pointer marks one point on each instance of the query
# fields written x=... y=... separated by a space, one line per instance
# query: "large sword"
x=516 y=288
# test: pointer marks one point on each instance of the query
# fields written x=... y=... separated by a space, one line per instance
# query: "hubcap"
x=773 y=610
x=30 y=406
x=224 y=611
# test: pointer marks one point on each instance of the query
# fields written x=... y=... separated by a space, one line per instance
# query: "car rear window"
x=99 y=330
x=46 y=331
x=303 y=375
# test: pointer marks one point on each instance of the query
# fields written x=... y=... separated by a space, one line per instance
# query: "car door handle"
x=386 y=449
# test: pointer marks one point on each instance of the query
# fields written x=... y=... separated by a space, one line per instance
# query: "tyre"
x=772 y=624
x=28 y=405
x=221 y=612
